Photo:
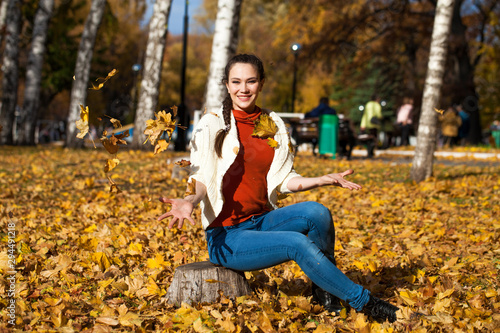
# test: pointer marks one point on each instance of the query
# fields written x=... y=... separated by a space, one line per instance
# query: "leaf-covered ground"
x=94 y=261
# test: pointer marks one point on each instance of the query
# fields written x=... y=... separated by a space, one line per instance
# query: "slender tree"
x=34 y=72
x=3 y=16
x=82 y=69
x=151 y=74
x=427 y=128
x=224 y=45
x=10 y=71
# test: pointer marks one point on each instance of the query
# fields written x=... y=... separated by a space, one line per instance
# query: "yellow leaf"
x=264 y=127
x=406 y=297
x=445 y=294
x=358 y=264
x=155 y=128
x=111 y=164
x=372 y=266
x=360 y=322
x=107 y=321
x=161 y=145
x=130 y=319
x=103 y=284
x=272 y=143
x=135 y=248
x=199 y=327
x=101 y=259
x=52 y=301
x=157 y=262
x=83 y=123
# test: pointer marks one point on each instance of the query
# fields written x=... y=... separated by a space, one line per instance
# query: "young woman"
x=238 y=173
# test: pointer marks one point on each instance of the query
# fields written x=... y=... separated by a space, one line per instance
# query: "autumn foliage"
x=93 y=260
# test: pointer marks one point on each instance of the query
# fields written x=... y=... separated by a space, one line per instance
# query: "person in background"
x=495 y=132
x=321 y=109
x=463 y=130
x=450 y=123
x=347 y=138
x=237 y=175
x=370 y=123
x=403 y=120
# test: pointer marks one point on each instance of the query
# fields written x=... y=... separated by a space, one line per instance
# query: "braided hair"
x=227 y=103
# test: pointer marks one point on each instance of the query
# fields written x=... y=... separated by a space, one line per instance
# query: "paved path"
x=472 y=155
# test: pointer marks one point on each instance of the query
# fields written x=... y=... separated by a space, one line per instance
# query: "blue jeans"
x=302 y=232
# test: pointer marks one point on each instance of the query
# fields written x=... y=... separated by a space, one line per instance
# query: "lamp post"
x=180 y=142
x=295 y=49
x=135 y=72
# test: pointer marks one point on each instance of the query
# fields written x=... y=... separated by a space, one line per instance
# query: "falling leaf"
x=183 y=163
x=439 y=111
x=162 y=124
x=161 y=145
x=112 y=143
x=264 y=127
x=83 y=123
x=111 y=164
x=191 y=187
x=104 y=80
x=116 y=123
x=113 y=186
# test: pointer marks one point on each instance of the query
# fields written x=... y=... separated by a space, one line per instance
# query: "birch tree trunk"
x=82 y=70
x=224 y=47
x=34 y=72
x=3 y=16
x=427 y=128
x=151 y=74
x=10 y=70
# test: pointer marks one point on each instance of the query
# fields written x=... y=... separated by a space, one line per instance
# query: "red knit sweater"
x=244 y=185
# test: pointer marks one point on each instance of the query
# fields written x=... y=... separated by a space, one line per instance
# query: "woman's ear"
x=262 y=84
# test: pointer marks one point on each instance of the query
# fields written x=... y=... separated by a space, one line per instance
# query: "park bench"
x=306 y=130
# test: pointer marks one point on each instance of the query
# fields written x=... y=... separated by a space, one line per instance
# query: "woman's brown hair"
x=227 y=103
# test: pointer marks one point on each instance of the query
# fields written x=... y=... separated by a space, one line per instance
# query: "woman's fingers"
x=347 y=172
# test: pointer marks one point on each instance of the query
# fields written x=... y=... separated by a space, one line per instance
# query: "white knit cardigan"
x=209 y=169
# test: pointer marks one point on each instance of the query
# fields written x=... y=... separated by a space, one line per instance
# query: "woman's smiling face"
x=244 y=86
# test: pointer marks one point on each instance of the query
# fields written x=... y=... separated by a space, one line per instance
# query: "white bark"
x=10 y=70
x=224 y=46
x=427 y=128
x=3 y=16
x=82 y=69
x=151 y=75
x=34 y=71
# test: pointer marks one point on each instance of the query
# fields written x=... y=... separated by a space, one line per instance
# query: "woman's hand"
x=181 y=209
x=337 y=179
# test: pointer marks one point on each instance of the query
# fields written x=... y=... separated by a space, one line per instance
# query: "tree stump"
x=200 y=282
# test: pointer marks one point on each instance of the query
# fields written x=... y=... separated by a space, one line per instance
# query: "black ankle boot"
x=380 y=310
x=330 y=302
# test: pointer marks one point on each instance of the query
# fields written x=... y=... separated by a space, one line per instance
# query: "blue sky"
x=176 y=19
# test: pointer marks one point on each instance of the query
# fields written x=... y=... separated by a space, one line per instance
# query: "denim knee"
x=317 y=213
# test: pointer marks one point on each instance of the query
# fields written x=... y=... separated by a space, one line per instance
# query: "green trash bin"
x=328 y=134
x=496 y=137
